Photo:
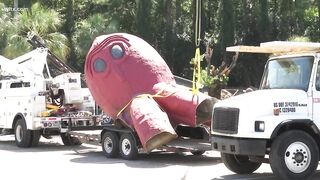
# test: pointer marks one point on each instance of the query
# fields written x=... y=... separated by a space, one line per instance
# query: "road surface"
x=51 y=161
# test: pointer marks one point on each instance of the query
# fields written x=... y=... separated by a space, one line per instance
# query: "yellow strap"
x=157 y=95
x=198 y=23
x=196 y=80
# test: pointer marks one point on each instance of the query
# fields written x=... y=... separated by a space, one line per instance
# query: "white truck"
x=37 y=100
x=279 y=123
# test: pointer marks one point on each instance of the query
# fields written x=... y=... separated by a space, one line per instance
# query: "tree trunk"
x=275 y=30
x=264 y=21
x=169 y=42
x=179 y=26
x=15 y=6
x=318 y=19
x=227 y=29
x=143 y=19
x=285 y=19
x=69 y=28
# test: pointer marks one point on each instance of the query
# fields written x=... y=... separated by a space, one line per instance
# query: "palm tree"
x=40 y=21
x=4 y=21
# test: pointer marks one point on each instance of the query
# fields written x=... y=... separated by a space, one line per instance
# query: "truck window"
x=318 y=77
x=288 y=73
x=72 y=80
x=45 y=72
x=20 y=84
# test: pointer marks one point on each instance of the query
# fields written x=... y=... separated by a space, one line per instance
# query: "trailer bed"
x=190 y=144
x=177 y=145
x=89 y=137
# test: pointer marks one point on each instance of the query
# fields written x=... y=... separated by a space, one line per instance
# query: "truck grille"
x=225 y=120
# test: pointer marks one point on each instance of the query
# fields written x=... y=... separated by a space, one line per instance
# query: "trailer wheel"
x=35 y=137
x=239 y=164
x=198 y=152
x=69 y=141
x=128 y=147
x=22 y=134
x=110 y=144
x=294 y=155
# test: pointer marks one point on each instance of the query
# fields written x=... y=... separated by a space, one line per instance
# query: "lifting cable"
x=196 y=80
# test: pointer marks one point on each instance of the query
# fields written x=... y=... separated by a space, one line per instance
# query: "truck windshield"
x=288 y=73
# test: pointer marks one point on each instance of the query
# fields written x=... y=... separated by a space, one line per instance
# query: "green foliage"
x=40 y=21
x=168 y=25
x=299 y=39
x=5 y=22
x=213 y=79
x=88 y=29
x=206 y=79
x=193 y=60
x=312 y=22
x=220 y=80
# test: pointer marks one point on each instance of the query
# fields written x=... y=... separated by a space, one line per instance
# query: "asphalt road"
x=51 y=161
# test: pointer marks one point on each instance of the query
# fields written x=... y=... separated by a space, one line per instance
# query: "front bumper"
x=239 y=146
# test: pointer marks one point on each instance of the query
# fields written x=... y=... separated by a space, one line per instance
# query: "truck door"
x=316 y=97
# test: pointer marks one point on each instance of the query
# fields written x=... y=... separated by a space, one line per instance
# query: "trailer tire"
x=294 y=155
x=70 y=141
x=35 y=137
x=128 y=147
x=110 y=144
x=239 y=164
x=23 y=136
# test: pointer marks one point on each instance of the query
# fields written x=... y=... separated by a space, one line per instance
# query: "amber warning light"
x=276 y=111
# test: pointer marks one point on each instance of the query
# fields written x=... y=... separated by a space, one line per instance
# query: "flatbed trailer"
x=124 y=141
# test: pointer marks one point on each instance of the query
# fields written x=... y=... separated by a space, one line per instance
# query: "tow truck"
x=41 y=95
x=279 y=123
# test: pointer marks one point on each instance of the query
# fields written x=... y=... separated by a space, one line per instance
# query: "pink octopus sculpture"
x=131 y=82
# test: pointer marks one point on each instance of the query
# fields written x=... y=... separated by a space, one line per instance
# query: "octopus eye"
x=117 y=52
x=99 y=65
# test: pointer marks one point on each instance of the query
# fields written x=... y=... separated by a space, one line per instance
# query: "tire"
x=198 y=152
x=110 y=144
x=23 y=136
x=239 y=164
x=128 y=147
x=70 y=141
x=294 y=155
x=36 y=134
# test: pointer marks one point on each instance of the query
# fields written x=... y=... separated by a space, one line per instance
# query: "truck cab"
x=277 y=124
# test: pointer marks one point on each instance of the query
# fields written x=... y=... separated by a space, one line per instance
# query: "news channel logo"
x=12 y=9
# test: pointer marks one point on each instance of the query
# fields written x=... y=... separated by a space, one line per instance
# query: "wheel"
x=198 y=152
x=69 y=141
x=294 y=155
x=35 y=137
x=110 y=144
x=127 y=146
x=23 y=136
x=239 y=164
